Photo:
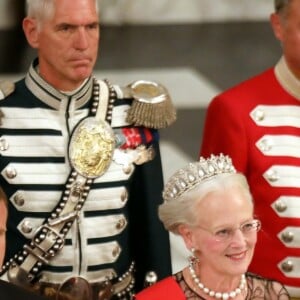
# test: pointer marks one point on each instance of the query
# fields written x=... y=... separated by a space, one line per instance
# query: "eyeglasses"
x=226 y=234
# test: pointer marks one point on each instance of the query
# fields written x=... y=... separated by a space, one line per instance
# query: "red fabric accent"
x=133 y=138
x=136 y=136
x=148 y=135
x=166 y=289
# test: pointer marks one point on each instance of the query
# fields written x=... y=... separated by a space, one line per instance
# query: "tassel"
x=152 y=106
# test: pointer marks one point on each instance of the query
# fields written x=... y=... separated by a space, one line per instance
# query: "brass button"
x=150 y=278
x=287 y=266
x=272 y=176
x=11 y=172
x=121 y=224
x=127 y=169
x=116 y=251
x=3 y=144
x=26 y=227
x=124 y=196
x=259 y=115
x=287 y=236
x=265 y=145
x=280 y=206
x=19 y=199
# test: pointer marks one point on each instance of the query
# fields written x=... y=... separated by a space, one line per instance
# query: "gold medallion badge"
x=91 y=147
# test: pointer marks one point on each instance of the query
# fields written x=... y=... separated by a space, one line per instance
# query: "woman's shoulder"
x=268 y=287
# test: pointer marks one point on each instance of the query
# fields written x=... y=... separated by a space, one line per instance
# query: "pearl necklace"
x=218 y=295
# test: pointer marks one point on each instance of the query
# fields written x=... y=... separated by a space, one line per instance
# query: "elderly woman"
x=210 y=206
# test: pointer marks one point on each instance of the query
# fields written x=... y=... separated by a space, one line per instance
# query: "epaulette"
x=6 y=88
x=152 y=106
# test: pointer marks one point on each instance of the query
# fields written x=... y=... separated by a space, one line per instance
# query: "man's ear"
x=30 y=28
x=277 y=26
x=187 y=235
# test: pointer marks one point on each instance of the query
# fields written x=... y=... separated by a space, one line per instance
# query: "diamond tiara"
x=186 y=178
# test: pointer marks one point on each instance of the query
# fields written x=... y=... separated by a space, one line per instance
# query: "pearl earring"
x=193 y=257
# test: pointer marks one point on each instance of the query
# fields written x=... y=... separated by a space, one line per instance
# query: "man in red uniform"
x=257 y=123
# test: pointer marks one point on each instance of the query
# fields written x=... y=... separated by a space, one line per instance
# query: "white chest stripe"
x=90 y=227
x=283 y=176
x=50 y=173
x=287 y=206
x=279 y=145
x=31 y=173
x=108 y=198
x=96 y=254
x=99 y=227
x=115 y=173
x=45 y=201
x=37 y=201
x=33 y=146
x=295 y=272
x=276 y=115
x=30 y=118
x=292 y=235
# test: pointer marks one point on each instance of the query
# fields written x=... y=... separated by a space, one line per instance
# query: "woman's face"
x=220 y=245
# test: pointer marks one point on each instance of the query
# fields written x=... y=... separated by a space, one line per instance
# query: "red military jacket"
x=257 y=123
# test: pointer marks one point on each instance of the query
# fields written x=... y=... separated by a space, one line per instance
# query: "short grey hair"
x=183 y=210
x=39 y=9
x=43 y=9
